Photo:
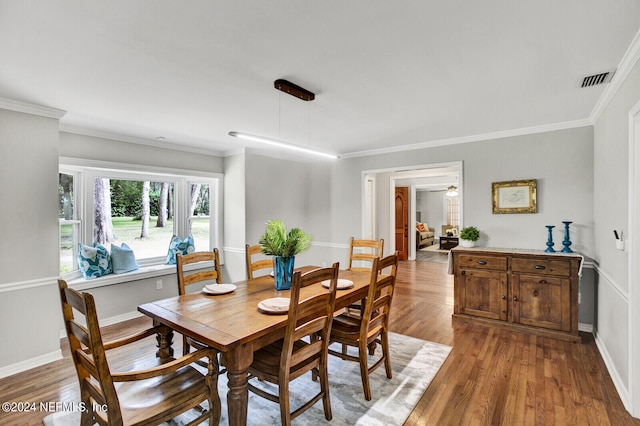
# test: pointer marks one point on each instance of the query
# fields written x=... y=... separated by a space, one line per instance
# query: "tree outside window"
x=143 y=210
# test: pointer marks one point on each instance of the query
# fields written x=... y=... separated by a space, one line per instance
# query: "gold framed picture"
x=516 y=196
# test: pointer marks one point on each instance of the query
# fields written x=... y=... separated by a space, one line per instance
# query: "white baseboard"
x=615 y=377
x=111 y=320
x=587 y=328
x=28 y=364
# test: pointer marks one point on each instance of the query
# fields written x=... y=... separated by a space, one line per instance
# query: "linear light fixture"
x=281 y=144
x=297 y=92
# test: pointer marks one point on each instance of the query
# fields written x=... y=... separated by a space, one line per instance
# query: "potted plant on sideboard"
x=468 y=236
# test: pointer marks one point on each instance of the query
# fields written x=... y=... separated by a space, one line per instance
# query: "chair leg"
x=214 y=398
x=285 y=407
x=86 y=418
x=185 y=346
x=385 y=354
x=364 y=370
x=324 y=387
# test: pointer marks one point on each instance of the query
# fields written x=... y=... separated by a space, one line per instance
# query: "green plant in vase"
x=468 y=236
x=276 y=241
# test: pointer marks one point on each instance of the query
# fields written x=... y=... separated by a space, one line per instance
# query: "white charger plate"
x=275 y=305
x=342 y=283
x=218 y=288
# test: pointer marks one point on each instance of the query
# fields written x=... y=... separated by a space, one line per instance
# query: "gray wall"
x=431 y=204
x=28 y=255
x=561 y=161
x=234 y=216
x=30 y=147
x=611 y=207
x=325 y=198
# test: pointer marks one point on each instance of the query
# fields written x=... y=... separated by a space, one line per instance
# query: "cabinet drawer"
x=541 y=280
x=541 y=266
x=497 y=263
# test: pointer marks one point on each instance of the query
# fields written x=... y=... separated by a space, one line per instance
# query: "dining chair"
x=256 y=265
x=362 y=251
x=372 y=249
x=212 y=273
x=371 y=328
x=134 y=397
x=291 y=357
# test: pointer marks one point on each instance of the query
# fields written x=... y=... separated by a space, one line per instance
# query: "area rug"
x=414 y=362
x=434 y=248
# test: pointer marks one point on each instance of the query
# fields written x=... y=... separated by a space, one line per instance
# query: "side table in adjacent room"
x=447 y=243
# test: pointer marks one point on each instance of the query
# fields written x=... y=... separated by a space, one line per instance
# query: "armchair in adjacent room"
x=424 y=235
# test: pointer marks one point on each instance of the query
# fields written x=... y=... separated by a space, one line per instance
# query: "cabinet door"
x=542 y=301
x=483 y=293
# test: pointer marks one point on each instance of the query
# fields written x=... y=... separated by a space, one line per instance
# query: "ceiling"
x=167 y=72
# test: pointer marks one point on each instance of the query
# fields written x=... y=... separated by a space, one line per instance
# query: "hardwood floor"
x=491 y=377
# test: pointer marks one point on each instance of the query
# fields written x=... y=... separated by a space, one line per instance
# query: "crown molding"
x=627 y=63
x=474 y=138
x=66 y=128
x=42 y=111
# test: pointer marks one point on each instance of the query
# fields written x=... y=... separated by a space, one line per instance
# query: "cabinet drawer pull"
x=515 y=298
x=535 y=293
x=543 y=281
x=539 y=267
x=482 y=262
x=504 y=297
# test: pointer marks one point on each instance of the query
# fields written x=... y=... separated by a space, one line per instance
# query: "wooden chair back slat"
x=186 y=278
x=373 y=249
x=371 y=327
x=305 y=345
x=255 y=265
x=147 y=402
x=321 y=306
x=86 y=347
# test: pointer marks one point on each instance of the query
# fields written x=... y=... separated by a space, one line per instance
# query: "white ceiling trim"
x=140 y=141
x=33 y=109
x=631 y=56
x=474 y=138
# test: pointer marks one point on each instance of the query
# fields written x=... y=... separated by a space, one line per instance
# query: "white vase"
x=467 y=243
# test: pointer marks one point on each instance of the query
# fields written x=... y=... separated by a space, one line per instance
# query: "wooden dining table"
x=233 y=324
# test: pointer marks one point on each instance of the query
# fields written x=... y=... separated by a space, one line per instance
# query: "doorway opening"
x=436 y=177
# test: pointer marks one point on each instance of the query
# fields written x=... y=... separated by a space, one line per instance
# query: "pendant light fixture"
x=300 y=93
x=452 y=191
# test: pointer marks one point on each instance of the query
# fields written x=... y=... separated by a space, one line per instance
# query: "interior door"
x=402 y=222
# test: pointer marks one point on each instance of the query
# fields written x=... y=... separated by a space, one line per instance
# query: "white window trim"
x=87 y=170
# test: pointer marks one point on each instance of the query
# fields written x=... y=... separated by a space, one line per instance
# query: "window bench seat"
x=150 y=271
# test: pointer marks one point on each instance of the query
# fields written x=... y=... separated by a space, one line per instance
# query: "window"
x=199 y=215
x=142 y=209
x=136 y=212
x=453 y=210
x=69 y=223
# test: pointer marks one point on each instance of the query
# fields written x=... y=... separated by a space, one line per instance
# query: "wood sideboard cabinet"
x=528 y=290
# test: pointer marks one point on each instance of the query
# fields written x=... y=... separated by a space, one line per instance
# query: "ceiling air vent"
x=596 y=79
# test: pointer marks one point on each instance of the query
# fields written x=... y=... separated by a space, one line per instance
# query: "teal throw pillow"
x=94 y=261
x=177 y=245
x=123 y=259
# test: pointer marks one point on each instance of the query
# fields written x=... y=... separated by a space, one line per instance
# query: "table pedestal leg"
x=237 y=362
x=165 y=340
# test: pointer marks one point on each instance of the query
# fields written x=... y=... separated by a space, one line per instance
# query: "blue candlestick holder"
x=567 y=242
x=550 y=239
